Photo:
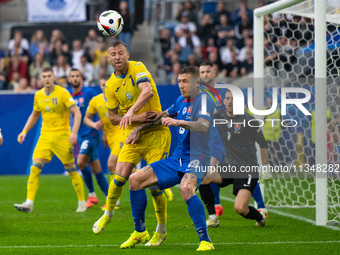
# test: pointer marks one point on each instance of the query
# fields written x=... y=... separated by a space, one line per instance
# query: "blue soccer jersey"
x=191 y=144
x=82 y=100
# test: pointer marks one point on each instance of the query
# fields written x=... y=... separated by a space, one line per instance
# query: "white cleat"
x=81 y=206
x=24 y=207
x=212 y=223
x=262 y=222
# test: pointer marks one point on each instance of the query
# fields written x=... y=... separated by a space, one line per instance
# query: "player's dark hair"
x=190 y=70
x=105 y=76
x=206 y=63
x=47 y=69
x=76 y=70
x=116 y=44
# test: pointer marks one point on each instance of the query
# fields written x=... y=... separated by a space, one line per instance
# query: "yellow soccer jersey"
x=124 y=91
x=98 y=105
x=54 y=108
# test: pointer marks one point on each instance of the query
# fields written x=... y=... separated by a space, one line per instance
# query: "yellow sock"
x=77 y=183
x=112 y=176
x=33 y=181
x=160 y=204
x=115 y=191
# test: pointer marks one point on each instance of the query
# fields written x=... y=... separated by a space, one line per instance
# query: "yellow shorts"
x=116 y=140
x=152 y=146
x=54 y=143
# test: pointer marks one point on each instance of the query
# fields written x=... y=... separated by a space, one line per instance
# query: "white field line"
x=287 y=215
x=177 y=244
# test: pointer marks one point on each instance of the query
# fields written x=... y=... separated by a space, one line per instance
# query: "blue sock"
x=216 y=190
x=257 y=195
x=102 y=182
x=138 y=202
x=87 y=175
x=197 y=214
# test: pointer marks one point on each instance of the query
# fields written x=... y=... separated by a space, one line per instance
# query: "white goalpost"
x=296 y=44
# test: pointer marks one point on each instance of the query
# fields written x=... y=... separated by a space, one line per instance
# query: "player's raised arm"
x=144 y=97
x=32 y=119
x=76 y=124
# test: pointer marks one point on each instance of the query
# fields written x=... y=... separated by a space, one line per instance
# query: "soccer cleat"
x=169 y=194
x=100 y=224
x=157 y=239
x=263 y=209
x=103 y=207
x=219 y=210
x=81 y=206
x=205 y=246
x=91 y=201
x=24 y=207
x=136 y=237
x=211 y=223
x=262 y=222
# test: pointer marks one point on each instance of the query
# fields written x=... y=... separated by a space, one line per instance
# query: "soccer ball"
x=110 y=23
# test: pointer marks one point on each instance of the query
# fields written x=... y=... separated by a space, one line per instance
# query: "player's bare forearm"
x=88 y=120
x=134 y=135
x=199 y=126
x=114 y=117
x=76 y=118
x=32 y=119
x=157 y=121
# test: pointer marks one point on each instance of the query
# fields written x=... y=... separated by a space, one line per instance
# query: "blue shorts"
x=169 y=171
x=217 y=150
x=89 y=146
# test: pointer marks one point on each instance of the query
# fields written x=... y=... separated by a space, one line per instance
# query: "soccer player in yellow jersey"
x=112 y=136
x=132 y=88
x=54 y=103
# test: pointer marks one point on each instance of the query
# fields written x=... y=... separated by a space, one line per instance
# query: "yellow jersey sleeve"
x=112 y=101
x=92 y=106
x=35 y=102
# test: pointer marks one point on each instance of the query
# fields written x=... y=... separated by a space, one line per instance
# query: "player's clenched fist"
x=22 y=136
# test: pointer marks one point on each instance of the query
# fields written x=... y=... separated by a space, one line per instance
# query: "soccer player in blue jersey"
x=193 y=111
x=88 y=139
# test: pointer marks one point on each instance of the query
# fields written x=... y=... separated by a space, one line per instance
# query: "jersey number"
x=133 y=83
x=54 y=100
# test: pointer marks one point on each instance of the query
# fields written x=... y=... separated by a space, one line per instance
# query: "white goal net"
x=289 y=61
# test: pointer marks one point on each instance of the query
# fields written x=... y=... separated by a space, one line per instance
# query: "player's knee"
x=111 y=166
x=187 y=191
x=241 y=209
x=134 y=182
x=81 y=164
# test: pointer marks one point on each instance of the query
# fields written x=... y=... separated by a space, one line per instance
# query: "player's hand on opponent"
x=167 y=122
x=73 y=138
x=98 y=125
x=133 y=137
x=126 y=120
x=21 y=137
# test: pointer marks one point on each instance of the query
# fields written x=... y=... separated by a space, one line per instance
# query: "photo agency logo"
x=239 y=109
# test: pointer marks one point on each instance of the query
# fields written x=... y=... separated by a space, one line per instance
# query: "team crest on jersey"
x=81 y=100
x=128 y=95
x=237 y=128
x=184 y=111
x=47 y=99
x=189 y=109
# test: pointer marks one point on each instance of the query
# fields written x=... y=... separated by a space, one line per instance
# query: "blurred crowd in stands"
x=22 y=62
x=200 y=31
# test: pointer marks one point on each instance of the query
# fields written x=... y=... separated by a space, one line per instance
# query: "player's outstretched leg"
x=87 y=176
x=115 y=191
x=138 y=202
x=32 y=188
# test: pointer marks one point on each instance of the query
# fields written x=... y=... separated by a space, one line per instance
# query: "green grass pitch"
x=55 y=228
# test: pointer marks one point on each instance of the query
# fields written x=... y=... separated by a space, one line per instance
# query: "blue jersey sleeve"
x=206 y=111
x=172 y=110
